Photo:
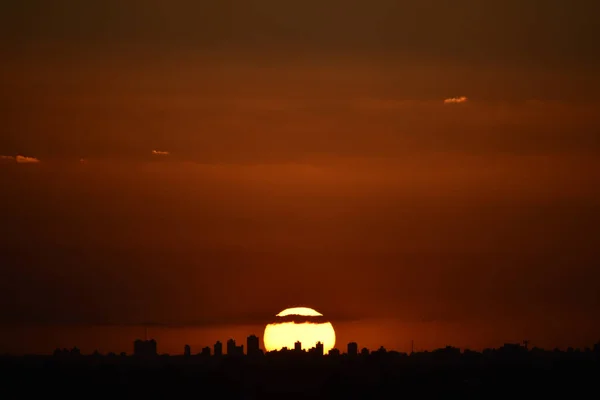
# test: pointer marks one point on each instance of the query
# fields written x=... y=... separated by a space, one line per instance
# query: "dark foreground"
x=291 y=376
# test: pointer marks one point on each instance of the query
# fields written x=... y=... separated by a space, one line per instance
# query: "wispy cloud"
x=19 y=159
x=456 y=100
x=160 y=153
x=26 y=160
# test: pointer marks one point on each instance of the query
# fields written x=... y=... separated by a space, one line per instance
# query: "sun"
x=299 y=324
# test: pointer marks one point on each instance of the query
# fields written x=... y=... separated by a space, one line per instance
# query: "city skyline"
x=511 y=368
x=144 y=348
x=254 y=346
x=397 y=337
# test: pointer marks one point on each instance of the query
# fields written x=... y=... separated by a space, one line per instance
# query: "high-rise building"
x=298 y=346
x=352 y=348
x=205 y=352
x=252 y=348
x=218 y=349
x=233 y=349
x=319 y=348
x=187 y=350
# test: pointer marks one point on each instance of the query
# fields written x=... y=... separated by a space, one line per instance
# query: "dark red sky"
x=312 y=161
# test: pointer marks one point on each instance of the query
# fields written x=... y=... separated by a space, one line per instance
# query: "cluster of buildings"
x=148 y=348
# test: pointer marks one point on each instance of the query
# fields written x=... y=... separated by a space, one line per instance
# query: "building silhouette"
x=252 y=348
x=352 y=349
x=317 y=350
x=65 y=353
x=218 y=349
x=233 y=349
x=187 y=350
x=435 y=373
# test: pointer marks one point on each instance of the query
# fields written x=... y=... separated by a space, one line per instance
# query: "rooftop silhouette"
x=511 y=368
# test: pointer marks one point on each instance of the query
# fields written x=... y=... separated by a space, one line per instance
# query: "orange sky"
x=311 y=160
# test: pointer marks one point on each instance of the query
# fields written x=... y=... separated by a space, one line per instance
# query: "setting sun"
x=299 y=324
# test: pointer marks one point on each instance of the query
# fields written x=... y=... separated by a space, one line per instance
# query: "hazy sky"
x=311 y=160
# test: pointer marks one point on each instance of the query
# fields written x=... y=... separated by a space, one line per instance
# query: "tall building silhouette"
x=352 y=348
x=252 y=348
x=298 y=346
x=318 y=349
x=187 y=350
x=218 y=349
x=233 y=349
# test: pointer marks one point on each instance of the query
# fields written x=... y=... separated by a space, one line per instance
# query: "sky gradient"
x=213 y=163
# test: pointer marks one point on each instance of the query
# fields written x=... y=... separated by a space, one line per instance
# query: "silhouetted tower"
x=352 y=349
x=218 y=349
x=233 y=349
x=364 y=352
x=319 y=348
x=252 y=348
x=298 y=346
x=526 y=344
x=152 y=347
x=205 y=352
x=187 y=350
